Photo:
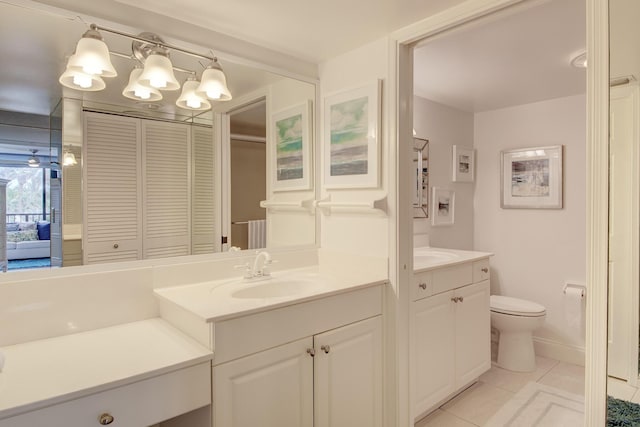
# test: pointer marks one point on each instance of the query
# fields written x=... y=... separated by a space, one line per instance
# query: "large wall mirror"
x=624 y=212
x=98 y=177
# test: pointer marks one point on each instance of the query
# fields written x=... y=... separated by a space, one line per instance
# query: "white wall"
x=536 y=250
x=365 y=233
x=445 y=127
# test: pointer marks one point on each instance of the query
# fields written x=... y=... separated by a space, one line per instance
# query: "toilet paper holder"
x=572 y=287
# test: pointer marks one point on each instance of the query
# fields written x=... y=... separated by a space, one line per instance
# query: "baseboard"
x=558 y=351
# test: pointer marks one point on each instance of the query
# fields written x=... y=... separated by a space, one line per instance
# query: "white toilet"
x=516 y=319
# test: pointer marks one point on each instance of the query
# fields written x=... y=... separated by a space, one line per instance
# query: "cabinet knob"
x=116 y=246
x=105 y=419
x=461 y=299
x=484 y=270
x=311 y=352
x=422 y=285
x=325 y=348
x=454 y=299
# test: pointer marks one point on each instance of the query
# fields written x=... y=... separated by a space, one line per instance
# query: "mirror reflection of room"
x=248 y=169
x=175 y=204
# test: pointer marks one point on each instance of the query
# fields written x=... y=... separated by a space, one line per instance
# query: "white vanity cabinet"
x=450 y=331
x=329 y=378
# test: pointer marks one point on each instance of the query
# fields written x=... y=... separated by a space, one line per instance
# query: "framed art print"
x=351 y=138
x=463 y=164
x=532 y=178
x=291 y=152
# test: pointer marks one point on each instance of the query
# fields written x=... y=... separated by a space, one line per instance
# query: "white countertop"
x=45 y=372
x=427 y=258
x=214 y=301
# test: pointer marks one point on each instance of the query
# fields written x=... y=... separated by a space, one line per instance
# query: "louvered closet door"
x=203 y=214
x=166 y=189
x=112 y=227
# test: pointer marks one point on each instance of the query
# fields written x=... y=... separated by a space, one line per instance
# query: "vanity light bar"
x=153 y=42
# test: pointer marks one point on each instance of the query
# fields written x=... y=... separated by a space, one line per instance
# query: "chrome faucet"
x=261 y=269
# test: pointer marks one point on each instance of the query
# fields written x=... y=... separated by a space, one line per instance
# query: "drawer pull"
x=105 y=419
x=115 y=246
x=311 y=352
x=461 y=299
x=325 y=348
x=484 y=270
x=422 y=286
x=454 y=299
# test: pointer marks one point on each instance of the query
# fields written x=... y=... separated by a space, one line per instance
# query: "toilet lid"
x=515 y=306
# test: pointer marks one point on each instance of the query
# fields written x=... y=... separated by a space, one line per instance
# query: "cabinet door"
x=473 y=332
x=112 y=175
x=166 y=180
x=272 y=388
x=433 y=340
x=348 y=375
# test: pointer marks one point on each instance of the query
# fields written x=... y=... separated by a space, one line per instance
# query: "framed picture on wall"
x=463 y=164
x=443 y=206
x=351 y=133
x=291 y=152
x=532 y=178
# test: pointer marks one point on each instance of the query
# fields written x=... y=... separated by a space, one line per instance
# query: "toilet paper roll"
x=574 y=307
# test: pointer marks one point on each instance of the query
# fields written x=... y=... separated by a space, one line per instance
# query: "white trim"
x=558 y=351
x=597 y=211
x=399 y=104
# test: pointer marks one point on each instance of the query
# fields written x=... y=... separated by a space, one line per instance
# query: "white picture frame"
x=443 y=207
x=532 y=178
x=351 y=136
x=463 y=164
x=291 y=158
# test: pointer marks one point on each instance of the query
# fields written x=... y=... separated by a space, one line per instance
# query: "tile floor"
x=477 y=404
x=621 y=390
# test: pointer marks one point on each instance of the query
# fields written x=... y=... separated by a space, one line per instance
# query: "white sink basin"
x=277 y=288
x=429 y=257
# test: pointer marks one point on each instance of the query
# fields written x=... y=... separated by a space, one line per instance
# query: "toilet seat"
x=515 y=306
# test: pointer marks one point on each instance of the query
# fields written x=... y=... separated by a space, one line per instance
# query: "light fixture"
x=34 y=161
x=92 y=55
x=580 y=61
x=69 y=159
x=91 y=61
x=191 y=100
x=158 y=71
x=214 y=83
x=81 y=81
x=134 y=90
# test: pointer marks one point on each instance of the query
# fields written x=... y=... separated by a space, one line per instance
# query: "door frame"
x=400 y=105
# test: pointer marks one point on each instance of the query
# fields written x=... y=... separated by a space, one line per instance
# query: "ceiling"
x=514 y=58
x=309 y=30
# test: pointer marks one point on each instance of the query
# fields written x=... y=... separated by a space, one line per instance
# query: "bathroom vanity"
x=450 y=344
x=297 y=349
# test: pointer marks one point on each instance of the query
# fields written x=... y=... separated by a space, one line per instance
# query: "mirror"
x=624 y=195
x=421 y=183
x=40 y=118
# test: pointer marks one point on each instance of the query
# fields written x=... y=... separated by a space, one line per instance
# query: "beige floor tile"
x=566 y=376
x=478 y=403
x=636 y=397
x=620 y=389
x=514 y=381
x=440 y=418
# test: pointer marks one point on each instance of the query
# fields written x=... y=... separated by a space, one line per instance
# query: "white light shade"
x=158 y=72
x=69 y=159
x=214 y=83
x=189 y=99
x=134 y=90
x=34 y=161
x=81 y=81
x=92 y=56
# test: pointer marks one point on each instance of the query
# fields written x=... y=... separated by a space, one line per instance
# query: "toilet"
x=516 y=319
